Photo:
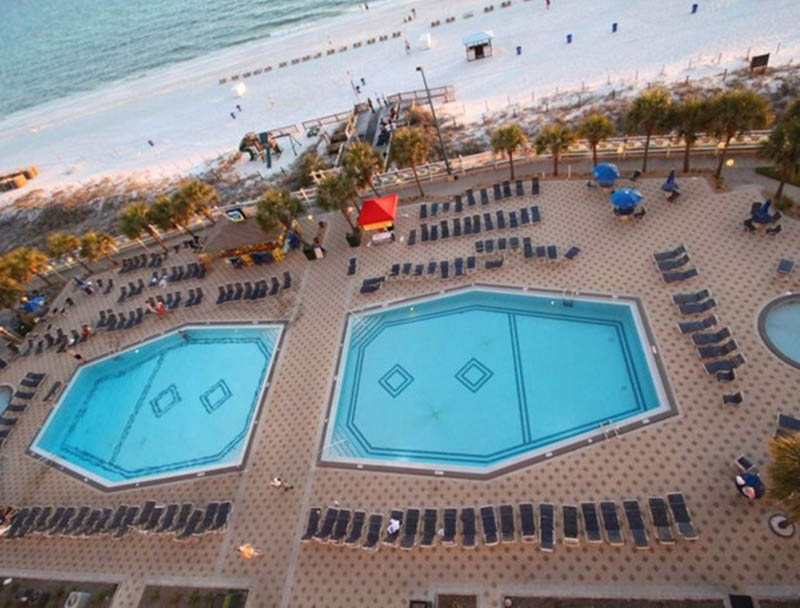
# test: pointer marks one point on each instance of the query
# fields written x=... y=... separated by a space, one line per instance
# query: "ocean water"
x=52 y=48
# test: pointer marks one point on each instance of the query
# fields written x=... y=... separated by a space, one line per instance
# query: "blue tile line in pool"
x=369 y=331
x=215 y=397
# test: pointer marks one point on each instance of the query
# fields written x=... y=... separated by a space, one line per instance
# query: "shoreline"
x=184 y=110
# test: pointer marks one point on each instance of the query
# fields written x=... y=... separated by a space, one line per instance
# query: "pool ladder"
x=609 y=429
x=568 y=296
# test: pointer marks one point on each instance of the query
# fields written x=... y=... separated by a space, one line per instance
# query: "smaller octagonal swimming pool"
x=178 y=405
x=478 y=381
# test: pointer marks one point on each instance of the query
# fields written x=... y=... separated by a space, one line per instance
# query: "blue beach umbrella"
x=626 y=198
x=762 y=215
x=605 y=174
x=34 y=304
x=670 y=184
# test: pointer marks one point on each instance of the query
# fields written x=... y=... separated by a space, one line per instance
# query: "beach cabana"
x=479 y=45
x=378 y=213
x=605 y=174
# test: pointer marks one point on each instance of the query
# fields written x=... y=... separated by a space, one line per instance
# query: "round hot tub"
x=779 y=326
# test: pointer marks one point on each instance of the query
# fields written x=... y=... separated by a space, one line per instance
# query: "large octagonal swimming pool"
x=482 y=380
x=182 y=404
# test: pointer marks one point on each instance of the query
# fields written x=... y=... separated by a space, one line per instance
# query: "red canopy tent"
x=378 y=213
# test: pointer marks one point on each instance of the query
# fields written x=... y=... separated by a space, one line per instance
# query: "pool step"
x=364 y=327
x=609 y=429
x=342 y=446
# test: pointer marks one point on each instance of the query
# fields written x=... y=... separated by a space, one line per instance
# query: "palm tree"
x=309 y=163
x=200 y=195
x=783 y=148
x=594 y=129
x=334 y=193
x=134 y=221
x=688 y=119
x=60 y=244
x=784 y=475
x=23 y=262
x=736 y=111
x=95 y=245
x=182 y=211
x=507 y=140
x=555 y=139
x=648 y=114
x=409 y=148
x=279 y=208
x=10 y=291
x=361 y=162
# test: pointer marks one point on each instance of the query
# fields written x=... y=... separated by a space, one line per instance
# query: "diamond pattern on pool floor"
x=165 y=400
x=474 y=375
x=396 y=380
x=214 y=397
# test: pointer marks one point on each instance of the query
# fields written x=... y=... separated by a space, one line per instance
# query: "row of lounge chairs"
x=183 y=521
x=472 y=224
x=233 y=292
x=193 y=270
x=671 y=264
x=131 y=290
x=29 y=386
x=709 y=344
x=504 y=525
x=138 y=262
x=499 y=191
x=61 y=340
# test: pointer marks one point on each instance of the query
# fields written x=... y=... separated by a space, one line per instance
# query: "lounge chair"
x=494 y=264
x=527 y=248
x=8 y=421
x=471 y=263
x=42 y=520
x=275 y=286
x=785 y=267
x=391 y=537
x=572 y=252
x=459 y=267
x=468 y=530
x=373 y=532
x=498 y=193
x=52 y=392
x=407 y=269
x=636 y=523
x=356 y=529
x=673 y=264
x=507 y=532
x=412 y=237
x=736 y=398
x=434 y=234
x=661 y=520
x=591 y=523
x=541 y=253
x=326 y=529
x=431 y=270
x=513 y=222
x=424 y=234
x=489 y=526
x=743 y=464
x=570 y=524
x=487 y=221
x=680 y=512
x=690 y=298
x=444 y=269
x=429 y=519
x=714 y=351
x=192 y=525
x=17 y=408
x=152 y=522
x=552 y=253
x=513 y=243
x=221 y=517
x=423 y=211
x=370 y=287
x=698 y=307
x=688 y=327
x=434 y=209
x=458 y=204
x=450 y=520
x=501 y=220
x=476 y=224
x=725 y=364
x=547 y=526
x=479 y=247
x=410 y=528
x=470 y=198
x=22 y=395
x=711 y=338
x=341 y=526
x=167 y=519
x=534 y=185
x=445 y=225
x=506 y=189
x=671 y=254
x=456 y=226
x=787 y=425
x=726 y=376
x=527 y=522
x=30 y=382
x=419 y=270
x=519 y=189
x=488 y=246
x=524 y=216
x=144 y=514
x=673 y=277
x=608 y=512
x=535 y=217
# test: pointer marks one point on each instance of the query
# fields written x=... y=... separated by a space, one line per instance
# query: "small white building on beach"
x=479 y=45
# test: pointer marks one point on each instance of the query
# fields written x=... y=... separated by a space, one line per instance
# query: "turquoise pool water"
x=482 y=379
x=782 y=326
x=171 y=406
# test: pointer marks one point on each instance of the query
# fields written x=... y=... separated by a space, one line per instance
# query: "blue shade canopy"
x=605 y=173
x=34 y=304
x=670 y=184
x=625 y=198
x=762 y=215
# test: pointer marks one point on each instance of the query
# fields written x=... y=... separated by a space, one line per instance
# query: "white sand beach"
x=186 y=112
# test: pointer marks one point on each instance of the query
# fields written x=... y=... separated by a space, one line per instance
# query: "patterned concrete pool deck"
x=690 y=452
